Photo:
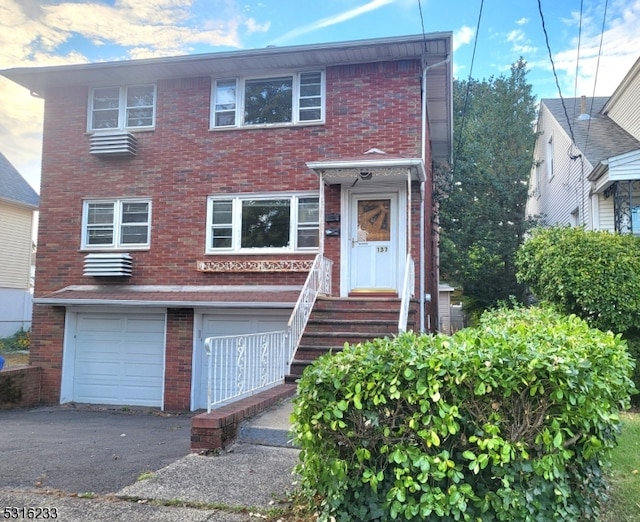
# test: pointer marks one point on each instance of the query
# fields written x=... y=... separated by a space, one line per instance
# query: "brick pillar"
x=177 y=380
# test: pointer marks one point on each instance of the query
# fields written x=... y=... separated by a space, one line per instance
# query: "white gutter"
x=423 y=154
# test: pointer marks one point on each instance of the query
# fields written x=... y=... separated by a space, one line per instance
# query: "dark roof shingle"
x=597 y=137
x=13 y=187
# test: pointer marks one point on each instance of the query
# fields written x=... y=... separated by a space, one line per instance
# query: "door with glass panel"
x=373 y=243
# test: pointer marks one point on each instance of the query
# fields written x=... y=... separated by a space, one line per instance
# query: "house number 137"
x=382 y=249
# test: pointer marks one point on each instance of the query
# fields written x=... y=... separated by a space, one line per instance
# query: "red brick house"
x=188 y=197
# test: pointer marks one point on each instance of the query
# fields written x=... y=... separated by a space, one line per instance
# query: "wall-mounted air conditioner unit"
x=108 y=265
x=114 y=143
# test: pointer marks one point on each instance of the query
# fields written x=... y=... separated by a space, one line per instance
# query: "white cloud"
x=462 y=36
x=604 y=58
x=33 y=32
x=372 y=5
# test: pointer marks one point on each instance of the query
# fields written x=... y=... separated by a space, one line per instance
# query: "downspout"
x=423 y=154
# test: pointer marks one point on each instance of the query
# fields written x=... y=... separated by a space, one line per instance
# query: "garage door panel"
x=119 y=359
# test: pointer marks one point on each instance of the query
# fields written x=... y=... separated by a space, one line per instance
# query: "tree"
x=482 y=214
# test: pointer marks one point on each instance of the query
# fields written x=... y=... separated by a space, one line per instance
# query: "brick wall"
x=182 y=162
x=20 y=387
x=179 y=347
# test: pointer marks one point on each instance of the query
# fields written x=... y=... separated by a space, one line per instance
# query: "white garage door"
x=119 y=359
x=231 y=323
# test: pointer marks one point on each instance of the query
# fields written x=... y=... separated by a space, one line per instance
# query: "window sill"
x=132 y=130
x=113 y=250
x=268 y=126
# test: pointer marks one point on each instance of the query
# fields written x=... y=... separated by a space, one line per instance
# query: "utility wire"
x=466 y=96
x=575 y=87
x=555 y=75
x=595 y=79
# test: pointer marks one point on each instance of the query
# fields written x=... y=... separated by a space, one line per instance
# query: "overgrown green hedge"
x=595 y=275
x=507 y=421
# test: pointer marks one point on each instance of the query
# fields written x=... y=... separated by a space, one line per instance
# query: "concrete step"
x=270 y=428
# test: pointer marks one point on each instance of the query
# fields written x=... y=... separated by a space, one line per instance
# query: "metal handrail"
x=407 y=293
x=318 y=282
x=229 y=356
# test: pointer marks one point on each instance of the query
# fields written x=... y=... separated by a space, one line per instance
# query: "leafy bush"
x=21 y=340
x=595 y=275
x=507 y=421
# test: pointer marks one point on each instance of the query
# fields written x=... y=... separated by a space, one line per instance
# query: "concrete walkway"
x=253 y=475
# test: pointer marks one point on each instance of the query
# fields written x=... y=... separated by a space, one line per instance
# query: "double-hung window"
x=273 y=223
x=119 y=108
x=279 y=100
x=115 y=224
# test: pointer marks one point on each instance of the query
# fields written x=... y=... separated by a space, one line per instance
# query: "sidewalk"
x=247 y=477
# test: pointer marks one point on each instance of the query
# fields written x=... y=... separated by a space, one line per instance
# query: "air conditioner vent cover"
x=108 y=265
x=109 y=144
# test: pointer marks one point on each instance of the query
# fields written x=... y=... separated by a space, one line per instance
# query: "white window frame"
x=122 y=108
x=239 y=102
x=550 y=153
x=116 y=225
x=236 y=223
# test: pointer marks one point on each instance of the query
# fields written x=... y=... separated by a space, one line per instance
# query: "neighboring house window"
x=111 y=224
x=574 y=217
x=550 y=158
x=278 y=100
x=262 y=223
x=131 y=107
x=635 y=220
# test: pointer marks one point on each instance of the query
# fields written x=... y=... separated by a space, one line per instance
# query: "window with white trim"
x=279 y=100
x=120 y=108
x=114 y=224
x=264 y=223
x=550 y=157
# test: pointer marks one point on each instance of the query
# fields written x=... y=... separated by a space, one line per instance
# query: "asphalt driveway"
x=87 y=449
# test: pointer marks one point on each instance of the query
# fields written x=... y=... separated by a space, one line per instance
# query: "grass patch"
x=145 y=475
x=624 y=504
x=15 y=359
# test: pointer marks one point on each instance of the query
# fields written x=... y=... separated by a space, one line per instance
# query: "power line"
x=575 y=88
x=555 y=75
x=466 y=96
x=595 y=79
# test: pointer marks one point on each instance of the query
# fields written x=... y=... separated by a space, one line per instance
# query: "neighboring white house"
x=18 y=203
x=587 y=160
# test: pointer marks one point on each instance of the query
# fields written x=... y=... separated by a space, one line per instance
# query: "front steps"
x=336 y=321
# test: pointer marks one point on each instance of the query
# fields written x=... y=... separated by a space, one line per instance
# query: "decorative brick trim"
x=263 y=265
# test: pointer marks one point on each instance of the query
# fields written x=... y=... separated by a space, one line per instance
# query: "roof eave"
x=38 y=79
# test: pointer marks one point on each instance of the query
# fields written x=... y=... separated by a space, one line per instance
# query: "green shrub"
x=21 y=340
x=506 y=421
x=595 y=275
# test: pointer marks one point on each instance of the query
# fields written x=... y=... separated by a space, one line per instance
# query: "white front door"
x=372 y=245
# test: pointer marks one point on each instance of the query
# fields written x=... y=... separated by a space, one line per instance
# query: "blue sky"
x=52 y=32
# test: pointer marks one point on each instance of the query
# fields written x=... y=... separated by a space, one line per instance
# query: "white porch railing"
x=241 y=365
x=407 y=293
x=318 y=282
